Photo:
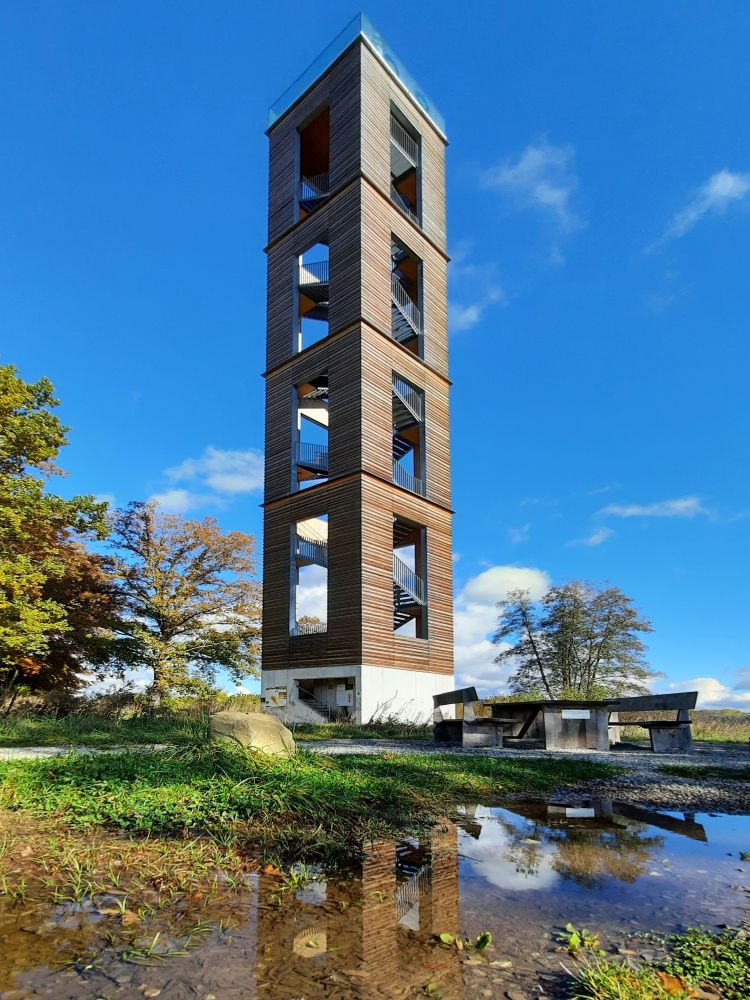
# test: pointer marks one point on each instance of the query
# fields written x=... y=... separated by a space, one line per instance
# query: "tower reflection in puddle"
x=369 y=935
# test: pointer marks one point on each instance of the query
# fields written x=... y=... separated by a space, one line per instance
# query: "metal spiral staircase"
x=313 y=290
x=311 y=458
x=313 y=191
x=404 y=166
x=310 y=549
x=407 y=419
x=409 y=592
x=406 y=318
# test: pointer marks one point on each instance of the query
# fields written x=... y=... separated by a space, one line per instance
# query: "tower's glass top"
x=359 y=26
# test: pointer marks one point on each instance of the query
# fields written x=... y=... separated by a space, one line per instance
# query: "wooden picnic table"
x=563 y=724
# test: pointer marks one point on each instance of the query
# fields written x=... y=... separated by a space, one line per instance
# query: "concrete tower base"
x=360 y=693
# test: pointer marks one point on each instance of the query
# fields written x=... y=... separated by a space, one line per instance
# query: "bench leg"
x=665 y=738
x=482 y=736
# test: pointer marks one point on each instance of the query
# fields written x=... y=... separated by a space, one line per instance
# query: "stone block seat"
x=467 y=728
x=664 y=734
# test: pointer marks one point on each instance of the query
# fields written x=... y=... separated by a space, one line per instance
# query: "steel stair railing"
x=402 y=202
x=401 y=477
x=406 y=143
x=408 y=309
x=312 y=188
x=409 y=396
x=312 y=552
x=312 y=456
x=408 y=580
x=315 y=273
x=308 y=628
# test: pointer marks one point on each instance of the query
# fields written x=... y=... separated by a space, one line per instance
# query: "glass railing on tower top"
x=360 y=26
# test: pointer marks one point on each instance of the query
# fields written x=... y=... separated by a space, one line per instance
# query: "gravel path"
x=644 y=782
x=37 y=753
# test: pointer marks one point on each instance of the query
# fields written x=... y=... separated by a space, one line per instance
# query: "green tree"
x=578 y=641
x=32 y=522
x=192 y=597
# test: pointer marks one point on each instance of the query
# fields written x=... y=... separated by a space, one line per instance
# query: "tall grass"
x=376 y=729
x=90 y=729
x=113 y=721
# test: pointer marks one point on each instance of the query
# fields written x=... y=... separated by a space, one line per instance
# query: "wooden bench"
x=665 y=734
x=472 y=729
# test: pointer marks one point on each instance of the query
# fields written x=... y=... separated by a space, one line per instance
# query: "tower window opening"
x=406 y=297
x=312 y=296
x=310 y=444
x=408 y=436
x=309 y=590
x=314 y=140
x=409 y=582
x=405 y=167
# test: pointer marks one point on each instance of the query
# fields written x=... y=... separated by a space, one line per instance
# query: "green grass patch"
x=309 y=805
x=722 y=960
x=600 y=980
x=697 y=772
x=94 y=729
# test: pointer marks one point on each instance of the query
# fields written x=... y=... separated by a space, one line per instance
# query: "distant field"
x=711 y=726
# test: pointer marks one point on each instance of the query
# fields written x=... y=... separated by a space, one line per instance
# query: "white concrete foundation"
x=374 y=692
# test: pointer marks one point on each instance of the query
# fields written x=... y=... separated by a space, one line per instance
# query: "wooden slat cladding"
x=380 y=646
x=338 y=225
x=379 y=91
x=380 y=220
x=341 y=358
x=341 y=644
x=380 y=358
x=357 y=223
x=339 y=89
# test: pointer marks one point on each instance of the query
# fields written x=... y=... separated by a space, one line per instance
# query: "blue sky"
x=599 y=212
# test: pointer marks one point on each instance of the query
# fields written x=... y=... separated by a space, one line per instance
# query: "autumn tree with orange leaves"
x=192 y=598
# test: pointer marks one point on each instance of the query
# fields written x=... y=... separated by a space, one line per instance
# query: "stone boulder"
x=254 y=731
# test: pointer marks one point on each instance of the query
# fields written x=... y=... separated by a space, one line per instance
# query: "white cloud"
x=136 y=678
x=222 y=470
x=543 y=177
x=312 y=593
x=463 y=317
x=713 y=693
x=495 y=583
x=491 y=857
x=475 y=619
x=243 y=688
x=475 y=281
x=182 y=501
x=722 y=190
x=520 y=534
x=597 y=537
x=685 y=507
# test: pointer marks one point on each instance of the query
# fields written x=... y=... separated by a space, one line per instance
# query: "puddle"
x=521 y=871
